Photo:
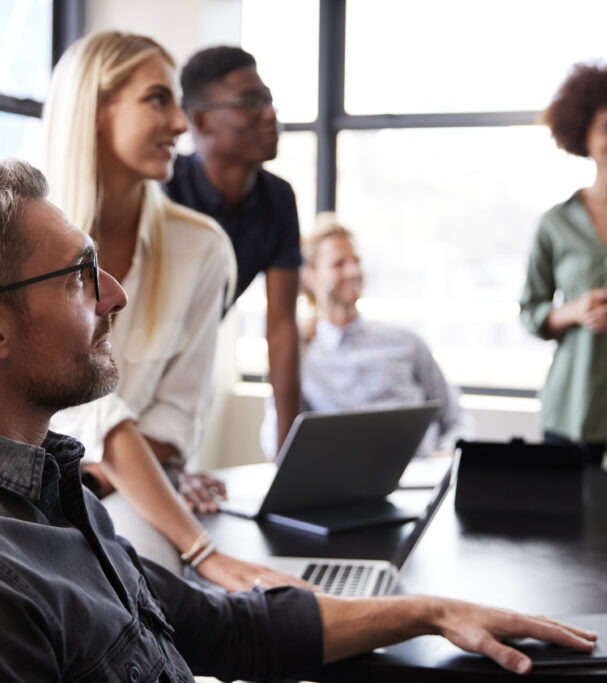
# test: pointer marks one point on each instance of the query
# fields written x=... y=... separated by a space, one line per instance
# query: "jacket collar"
x=21 y=464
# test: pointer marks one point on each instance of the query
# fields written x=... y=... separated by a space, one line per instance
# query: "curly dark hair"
x=573 y=108
x=207 y=67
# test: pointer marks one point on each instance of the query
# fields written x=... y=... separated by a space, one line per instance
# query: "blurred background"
x=416 y=122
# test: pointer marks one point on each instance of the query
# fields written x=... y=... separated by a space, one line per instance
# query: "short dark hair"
x=207 y=67
x=573 y=108
x=19 y=182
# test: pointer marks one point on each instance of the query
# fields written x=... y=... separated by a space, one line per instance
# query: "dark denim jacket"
x=78 y=604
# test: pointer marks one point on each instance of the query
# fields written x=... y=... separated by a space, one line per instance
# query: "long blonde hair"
x=90 y=72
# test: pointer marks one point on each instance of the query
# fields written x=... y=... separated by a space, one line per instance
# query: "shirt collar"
x=21 y=464
x=209 y=195
x=332 y=336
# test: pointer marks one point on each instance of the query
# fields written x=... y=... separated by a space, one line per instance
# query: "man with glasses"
x=235 y=130
x=76 y=601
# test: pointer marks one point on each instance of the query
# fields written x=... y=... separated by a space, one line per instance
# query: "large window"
x=405 y=57
x=25 y=67
x=424 y=138
x=33 y=35
x=446 y=234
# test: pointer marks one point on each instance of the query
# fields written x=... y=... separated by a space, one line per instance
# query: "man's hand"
x=354 y=626
x=236 y=575
x=200 y=491
x=482 y=630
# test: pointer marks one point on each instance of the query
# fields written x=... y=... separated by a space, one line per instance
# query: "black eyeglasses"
x=254 y=103
x=87 y=265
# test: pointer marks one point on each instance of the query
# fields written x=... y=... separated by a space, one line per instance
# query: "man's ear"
x=198 y=120
x=308 y=280
x=7 y=328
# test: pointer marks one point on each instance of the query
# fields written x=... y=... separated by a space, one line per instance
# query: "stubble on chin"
x=93 y=380
x=72 y=380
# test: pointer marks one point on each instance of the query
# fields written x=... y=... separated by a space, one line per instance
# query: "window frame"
x=332 y=118
x=67 y=26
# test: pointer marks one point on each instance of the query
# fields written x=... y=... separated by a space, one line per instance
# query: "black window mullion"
x=441 y=120
x=68 y=25
x=21 y=107
x=331 y=64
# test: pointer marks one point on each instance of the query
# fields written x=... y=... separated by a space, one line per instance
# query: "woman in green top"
x=569 y=257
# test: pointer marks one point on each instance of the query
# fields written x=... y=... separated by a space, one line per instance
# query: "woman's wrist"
x=203 y=555
x=200 y=543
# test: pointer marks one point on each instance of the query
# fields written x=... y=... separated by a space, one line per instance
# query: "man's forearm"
x=354 y=626
x=283 y=352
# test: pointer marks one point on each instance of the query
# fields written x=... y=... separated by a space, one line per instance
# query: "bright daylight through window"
x=25 y=67
x=444 y=215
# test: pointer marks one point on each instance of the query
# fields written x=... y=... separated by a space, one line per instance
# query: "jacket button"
x=134 y=673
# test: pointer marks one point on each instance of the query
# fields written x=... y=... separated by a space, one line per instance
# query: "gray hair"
x=19 y=182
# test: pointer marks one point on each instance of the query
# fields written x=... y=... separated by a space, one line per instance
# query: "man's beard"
x=89 y=378
x=58 y=393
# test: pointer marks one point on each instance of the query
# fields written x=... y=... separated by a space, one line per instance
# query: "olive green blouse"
x=569 y=256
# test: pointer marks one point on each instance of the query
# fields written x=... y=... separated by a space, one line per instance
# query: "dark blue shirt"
x=77 y=602
x=264 y=229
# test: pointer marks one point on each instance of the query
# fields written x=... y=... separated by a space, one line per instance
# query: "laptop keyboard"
x=348 y=578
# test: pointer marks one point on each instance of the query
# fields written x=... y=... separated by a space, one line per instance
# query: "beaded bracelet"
x=203 y=555
x=201 y=542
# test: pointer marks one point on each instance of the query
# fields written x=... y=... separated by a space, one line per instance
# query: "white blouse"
x=165 y=380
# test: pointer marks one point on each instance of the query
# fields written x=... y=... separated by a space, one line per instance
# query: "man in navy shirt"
x=76 y=602
x=235 y=130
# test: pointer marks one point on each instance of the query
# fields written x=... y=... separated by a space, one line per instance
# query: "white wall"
x=182 y=26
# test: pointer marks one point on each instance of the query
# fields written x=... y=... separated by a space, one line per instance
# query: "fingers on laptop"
x=268 y=578
x=237 y=575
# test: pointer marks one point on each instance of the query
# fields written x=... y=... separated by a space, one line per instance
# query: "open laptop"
x=364 y=578
x=335 y=470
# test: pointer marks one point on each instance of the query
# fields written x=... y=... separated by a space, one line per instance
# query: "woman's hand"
x=588 y=311
x=200 y=491
x=236 y=575
x=593 y=310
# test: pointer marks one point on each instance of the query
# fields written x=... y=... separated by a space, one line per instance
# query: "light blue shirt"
x=372 y=364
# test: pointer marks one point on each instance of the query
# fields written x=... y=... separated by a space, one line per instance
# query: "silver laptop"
x=335 y=470
x=364 y=578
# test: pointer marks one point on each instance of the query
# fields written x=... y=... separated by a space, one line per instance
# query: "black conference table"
x=551 y=565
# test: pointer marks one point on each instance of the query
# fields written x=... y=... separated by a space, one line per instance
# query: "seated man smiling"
x=76 y=601
x=351 y=362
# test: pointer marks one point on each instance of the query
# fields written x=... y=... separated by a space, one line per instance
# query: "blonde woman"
x=112 y=119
